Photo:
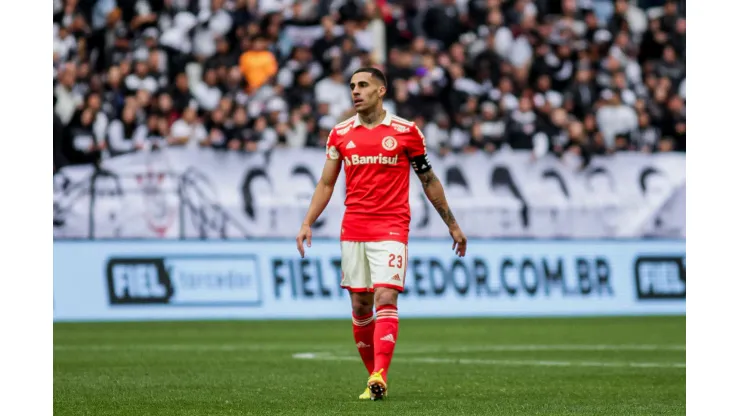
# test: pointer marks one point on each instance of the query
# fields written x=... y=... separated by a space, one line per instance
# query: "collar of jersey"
x=386 y=121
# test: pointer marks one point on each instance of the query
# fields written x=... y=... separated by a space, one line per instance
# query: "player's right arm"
x=322 y=194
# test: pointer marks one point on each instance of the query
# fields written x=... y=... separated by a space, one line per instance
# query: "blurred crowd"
x=551 y=76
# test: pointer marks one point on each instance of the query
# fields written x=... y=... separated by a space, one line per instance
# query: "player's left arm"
x=434 y=190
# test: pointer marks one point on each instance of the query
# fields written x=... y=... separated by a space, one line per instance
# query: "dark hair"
x=374 y=72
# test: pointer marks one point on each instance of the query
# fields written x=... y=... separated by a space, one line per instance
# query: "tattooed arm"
x=433 y=189
x=436 y=195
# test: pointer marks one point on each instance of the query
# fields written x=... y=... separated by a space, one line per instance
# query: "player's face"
x=367 y=91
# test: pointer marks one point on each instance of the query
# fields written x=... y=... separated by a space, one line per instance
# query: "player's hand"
x=459 y=241
x=303 y=235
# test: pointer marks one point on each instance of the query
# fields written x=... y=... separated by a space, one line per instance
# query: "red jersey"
x=377 y=170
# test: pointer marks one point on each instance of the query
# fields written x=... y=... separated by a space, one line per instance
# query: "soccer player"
x=378 y=150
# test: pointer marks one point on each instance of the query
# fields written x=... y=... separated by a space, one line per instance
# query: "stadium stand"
x=591 y=76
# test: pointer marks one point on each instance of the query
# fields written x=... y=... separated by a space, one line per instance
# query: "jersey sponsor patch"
x=333 y=153
x=401 y=128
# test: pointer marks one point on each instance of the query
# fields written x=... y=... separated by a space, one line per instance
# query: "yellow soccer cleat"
x=367 y=395
x=376 y=384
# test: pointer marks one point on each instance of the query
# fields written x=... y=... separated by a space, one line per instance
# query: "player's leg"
x=363 y=327
x=388 y=271
x=356 y=279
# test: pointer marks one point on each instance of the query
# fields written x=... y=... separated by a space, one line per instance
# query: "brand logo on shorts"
x=389 y=143
x=396 y=277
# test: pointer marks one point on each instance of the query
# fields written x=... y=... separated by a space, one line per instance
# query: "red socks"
x=364 y=328
x=376 y=340
x=386 y=332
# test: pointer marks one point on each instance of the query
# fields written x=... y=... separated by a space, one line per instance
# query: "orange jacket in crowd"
x=257 y=67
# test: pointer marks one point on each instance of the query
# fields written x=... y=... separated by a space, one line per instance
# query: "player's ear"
x=381 y=91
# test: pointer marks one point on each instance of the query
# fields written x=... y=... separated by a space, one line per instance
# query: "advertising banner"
x=158 y=280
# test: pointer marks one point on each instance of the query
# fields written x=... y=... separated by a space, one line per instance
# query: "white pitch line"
x=335 y=348
x=465 y=361
x=574 y=347
x=189 y=347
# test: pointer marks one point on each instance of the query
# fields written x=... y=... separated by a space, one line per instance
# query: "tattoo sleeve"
x=436 y=195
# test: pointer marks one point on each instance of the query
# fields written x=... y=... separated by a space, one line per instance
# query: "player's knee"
x=362 y=303
x=386 y=296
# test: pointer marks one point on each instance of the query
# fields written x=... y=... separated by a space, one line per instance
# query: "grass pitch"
x=579 y=366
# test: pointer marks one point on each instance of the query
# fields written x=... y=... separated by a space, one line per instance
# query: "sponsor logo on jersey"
x=371 y=160
x=333 y=153
x=400 y=128
x=389 y=143
x=351 y=145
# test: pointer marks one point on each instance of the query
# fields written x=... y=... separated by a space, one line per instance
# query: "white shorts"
x=368 y=265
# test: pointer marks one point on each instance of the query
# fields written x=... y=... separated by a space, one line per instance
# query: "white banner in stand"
x=210 y=194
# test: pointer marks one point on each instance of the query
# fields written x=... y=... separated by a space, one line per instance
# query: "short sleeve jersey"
x=377 y=167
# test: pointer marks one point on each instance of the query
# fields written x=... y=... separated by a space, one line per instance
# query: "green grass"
x=441 y=367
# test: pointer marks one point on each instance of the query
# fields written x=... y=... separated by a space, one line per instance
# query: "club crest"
x=389 y=143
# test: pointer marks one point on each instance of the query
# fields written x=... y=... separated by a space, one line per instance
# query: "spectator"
x=81 y=145
x=492 y=128
x=216 y=130
x=60 y=160
x=181 y=95
x=670 y=67
x=125 y=135
x=646 y=136
x=264 y=136
x=614 y=118
x=578 y=143
x=302 y=91
x=581 y=95
x=674 y=122
x=556 y=129
x=207 y=93
x=238 y=130
x=67 y=94
x=188 y=130
x=522 y=126
x=258 y=64
x=403 y=103
x=334 y=91
x=114 y=94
